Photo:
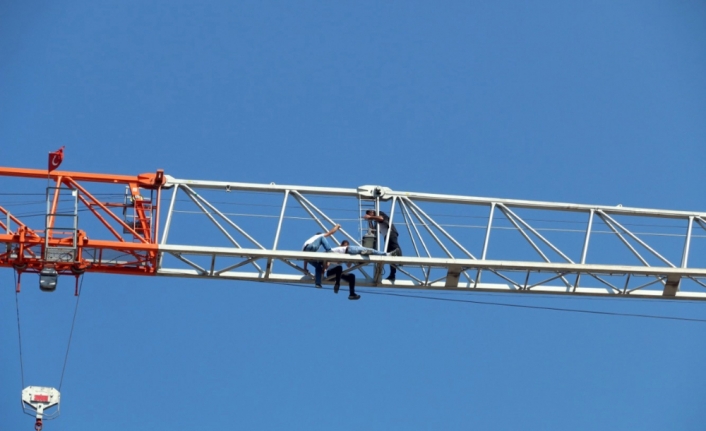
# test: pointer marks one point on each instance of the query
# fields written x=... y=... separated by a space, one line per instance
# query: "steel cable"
x=71 y=333
x=19 y=331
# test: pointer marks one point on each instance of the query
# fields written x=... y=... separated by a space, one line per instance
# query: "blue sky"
x=589 y=102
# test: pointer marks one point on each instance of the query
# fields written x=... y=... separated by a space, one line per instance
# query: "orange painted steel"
x=146 y=181
x=133 y=253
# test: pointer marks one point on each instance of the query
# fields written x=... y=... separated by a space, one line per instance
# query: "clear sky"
x=599 y=102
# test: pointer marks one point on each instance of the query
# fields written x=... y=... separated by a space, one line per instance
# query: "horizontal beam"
x=436 y=262
x=254 y=187
x=441 y=286
x=149 y=180
x=439 y=198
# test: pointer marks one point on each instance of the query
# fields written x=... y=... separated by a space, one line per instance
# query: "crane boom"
x=253 y=232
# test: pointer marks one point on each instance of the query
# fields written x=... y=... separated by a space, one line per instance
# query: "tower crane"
x=155 y=225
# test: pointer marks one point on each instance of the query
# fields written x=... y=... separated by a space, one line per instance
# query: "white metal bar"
x=584 y=251
x=524 y=234
x=190 y=263
x=702 y=222
x=486 y=241
x=237 y=265
x=165 y=234
x=441 y=198
x=226 y=219
x=254 y=187
x=195 y=198
x=627 y=283
x=506 y=278
x=604 y=282
x=642 y=243
x=223 y=230
x=377 y=224
x=426 y=226
x=270 y=263
x=409 y=230
x=440 y=262
x=531 y=229
x=414 y=209
x=485 y=287
x=389 y=230
x=409 y=275
x=510 y=216
x=626 y=242
x=406 y=214
x=687 y=243
x=310 y=212
x=325 y=217
x=541 y=283
x=452 y=239
x=697 y=281
x=644 y=285
x=507 y=210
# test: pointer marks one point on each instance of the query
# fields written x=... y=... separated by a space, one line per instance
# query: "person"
x=312 y=245
x=336 y=271
x=347 y=248
x=386 y=229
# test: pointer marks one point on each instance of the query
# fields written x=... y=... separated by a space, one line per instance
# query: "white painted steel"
x=507 y=274
x=37 y=399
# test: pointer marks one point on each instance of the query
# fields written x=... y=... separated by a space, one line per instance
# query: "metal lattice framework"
x=449 y=242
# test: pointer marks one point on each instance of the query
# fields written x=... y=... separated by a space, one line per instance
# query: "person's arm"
x=332 y=231
x=376 y=218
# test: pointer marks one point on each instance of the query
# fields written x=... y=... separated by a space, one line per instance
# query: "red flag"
x=56 y=158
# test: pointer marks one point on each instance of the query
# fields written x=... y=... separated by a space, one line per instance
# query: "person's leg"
x=354 y=249
x=391 y=246
x=318 y=242
x=335 y=271
x=314 y=246
x=319 y=269
x=350 y=278
x=324 y=243
x=393 y=273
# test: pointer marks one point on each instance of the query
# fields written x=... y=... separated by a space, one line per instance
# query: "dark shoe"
x=336 y=287
x=318 y=286
x=353 y=297
x=395 y=252
x=391 y=279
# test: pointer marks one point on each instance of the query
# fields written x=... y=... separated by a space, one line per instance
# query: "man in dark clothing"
x=337 y=271
x=386 y=229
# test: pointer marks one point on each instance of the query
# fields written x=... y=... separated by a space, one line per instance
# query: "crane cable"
x=19 y=332
x=71 y=332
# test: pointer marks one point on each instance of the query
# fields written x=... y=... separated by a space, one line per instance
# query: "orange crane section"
x=131 y=247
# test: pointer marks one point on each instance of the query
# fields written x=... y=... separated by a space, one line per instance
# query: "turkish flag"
x=56 y=158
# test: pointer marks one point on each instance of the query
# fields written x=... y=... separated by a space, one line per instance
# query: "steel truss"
x=442 y=260
x=450 y=242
